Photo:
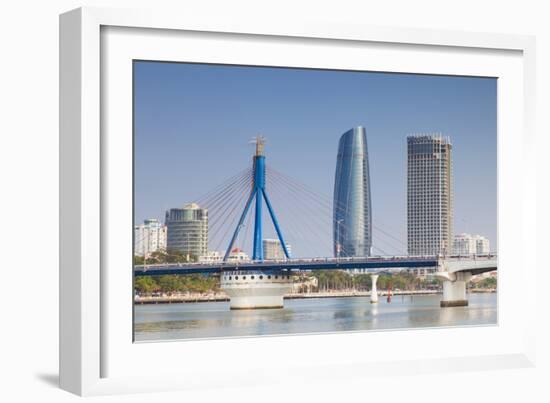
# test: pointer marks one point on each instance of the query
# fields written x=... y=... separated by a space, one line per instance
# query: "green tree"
x=488 y=283
x=193 y=283
x=146 y=285
x=333 y=279
x=362 y=282
x=170 y=256
x=169 y=283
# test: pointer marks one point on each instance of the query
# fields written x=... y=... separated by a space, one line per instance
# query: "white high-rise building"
x=429 y=195
x=467 y=244
x=187 y=230
x=464 y=244
x=149 y=237
x=273 y=249
x=482 y=245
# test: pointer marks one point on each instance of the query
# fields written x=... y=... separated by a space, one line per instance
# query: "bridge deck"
x=478 y=265
x=287 y=265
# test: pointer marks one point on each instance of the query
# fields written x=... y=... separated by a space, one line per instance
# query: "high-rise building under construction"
x=429 y=195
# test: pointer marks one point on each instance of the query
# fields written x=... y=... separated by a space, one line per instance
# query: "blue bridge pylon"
x=258 y=193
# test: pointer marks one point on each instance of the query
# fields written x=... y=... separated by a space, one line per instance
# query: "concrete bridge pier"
x=456 y=272
x=248 y=289
x=454 y=288
x=374 y=290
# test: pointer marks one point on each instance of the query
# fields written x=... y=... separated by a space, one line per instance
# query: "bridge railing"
x=294 y=261
x=483 y=256
x=298 y=261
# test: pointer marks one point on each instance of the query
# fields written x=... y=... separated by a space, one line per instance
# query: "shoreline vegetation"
x=222 y=297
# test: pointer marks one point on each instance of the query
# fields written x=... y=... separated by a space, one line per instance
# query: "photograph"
x=274 y=200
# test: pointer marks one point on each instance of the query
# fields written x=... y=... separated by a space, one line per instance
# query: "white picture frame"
x=95 y=352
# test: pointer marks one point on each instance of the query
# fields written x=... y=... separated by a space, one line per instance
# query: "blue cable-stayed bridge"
x=262 y=283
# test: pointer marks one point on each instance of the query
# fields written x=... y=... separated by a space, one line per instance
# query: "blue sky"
x=193 y=123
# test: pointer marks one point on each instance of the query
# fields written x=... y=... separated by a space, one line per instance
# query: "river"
x=215 y=319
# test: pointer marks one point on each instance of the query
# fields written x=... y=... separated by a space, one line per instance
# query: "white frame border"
x=80 y=165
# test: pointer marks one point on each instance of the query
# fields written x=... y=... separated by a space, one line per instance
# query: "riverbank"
x=180 y=299
x=222 y=297
x=344 y=294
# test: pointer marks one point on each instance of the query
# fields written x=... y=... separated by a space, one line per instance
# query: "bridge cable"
x=324 y=203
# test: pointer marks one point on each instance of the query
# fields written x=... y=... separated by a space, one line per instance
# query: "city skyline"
x=178 y=160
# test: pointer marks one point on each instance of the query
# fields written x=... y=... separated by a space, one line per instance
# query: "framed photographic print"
x=251 y=191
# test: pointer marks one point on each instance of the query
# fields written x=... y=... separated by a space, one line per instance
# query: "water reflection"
x=205 y=320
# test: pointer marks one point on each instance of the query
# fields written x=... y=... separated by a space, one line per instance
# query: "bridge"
x=368 y=264
x=261 y=283
x=455 y=271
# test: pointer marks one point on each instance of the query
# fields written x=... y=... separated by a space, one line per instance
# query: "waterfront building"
x=238 y=255
x=352 y=212
x=187 y=230
x=429 y=195
x=467 y=244
x=149 y=237
x=214 y=256
x=483 y=246
x=273 y=249
x=464 y=244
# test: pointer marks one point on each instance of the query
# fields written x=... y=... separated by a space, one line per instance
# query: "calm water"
x=214 y=319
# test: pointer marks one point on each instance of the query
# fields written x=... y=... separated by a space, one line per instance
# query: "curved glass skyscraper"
x=352 y=214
